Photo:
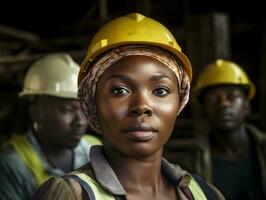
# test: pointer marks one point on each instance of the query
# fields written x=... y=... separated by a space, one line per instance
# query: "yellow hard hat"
x=133 y=28
x=54 y=74
x=223 y=72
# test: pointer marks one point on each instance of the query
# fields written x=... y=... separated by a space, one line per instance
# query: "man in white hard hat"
x=53 y=143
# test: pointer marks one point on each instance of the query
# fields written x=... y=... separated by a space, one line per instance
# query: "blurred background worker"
x=50 y=141
x=236 y=155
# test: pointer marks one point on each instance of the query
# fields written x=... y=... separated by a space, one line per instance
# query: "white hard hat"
x=54 y=74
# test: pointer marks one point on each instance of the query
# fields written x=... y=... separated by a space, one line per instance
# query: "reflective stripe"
x=92 y=140
x=29 y=157
x=196 y=190
x=99 y=193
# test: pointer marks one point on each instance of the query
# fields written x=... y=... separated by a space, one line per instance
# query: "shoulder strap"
x=92 y=188
x=208 y=191
x=83 y=184
x=196 y=190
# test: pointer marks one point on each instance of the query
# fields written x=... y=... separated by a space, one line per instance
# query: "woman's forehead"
x=139 y=64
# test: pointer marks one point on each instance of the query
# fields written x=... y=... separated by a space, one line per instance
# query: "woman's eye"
x=161 y=92
x=120 y=91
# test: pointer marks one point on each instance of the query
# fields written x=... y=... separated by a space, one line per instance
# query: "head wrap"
x=87 y=87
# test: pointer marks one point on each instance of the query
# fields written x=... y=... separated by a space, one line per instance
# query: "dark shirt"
x=237 y=180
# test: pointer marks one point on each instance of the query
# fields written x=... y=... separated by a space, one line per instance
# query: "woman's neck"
x=137 y=174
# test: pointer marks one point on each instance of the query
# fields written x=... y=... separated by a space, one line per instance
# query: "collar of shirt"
x=106 y=177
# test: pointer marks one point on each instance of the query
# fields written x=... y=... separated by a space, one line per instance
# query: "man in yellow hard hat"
x=235 y=150
x=51 y=141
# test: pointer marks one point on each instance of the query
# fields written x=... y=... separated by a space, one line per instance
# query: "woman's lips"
x=142 y=132
x=141 y=135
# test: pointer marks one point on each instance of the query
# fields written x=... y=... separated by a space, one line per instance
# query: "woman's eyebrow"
x=159 y=77
x=119 y=76
x=127 y=78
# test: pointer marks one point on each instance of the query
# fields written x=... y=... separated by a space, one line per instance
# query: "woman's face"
x=137 y=104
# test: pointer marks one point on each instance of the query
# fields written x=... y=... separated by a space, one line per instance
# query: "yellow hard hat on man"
x=222 y=72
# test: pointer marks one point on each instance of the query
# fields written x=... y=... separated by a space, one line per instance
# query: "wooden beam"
x=18 y=34
x=4 y=60
x=103 y=6
x=262 y=82
x=208 y=38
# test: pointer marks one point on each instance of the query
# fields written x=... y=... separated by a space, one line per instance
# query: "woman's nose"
x=141 y=105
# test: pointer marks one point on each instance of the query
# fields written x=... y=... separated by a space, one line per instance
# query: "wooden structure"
x=205 y=30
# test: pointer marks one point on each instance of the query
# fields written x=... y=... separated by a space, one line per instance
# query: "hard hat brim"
x=182 y=57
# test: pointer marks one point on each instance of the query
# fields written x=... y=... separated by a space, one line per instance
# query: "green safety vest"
x=101 y=194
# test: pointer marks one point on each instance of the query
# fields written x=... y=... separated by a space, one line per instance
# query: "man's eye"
x=232 y=96
x=211 y=99
x=161 y=91
x=120 y=91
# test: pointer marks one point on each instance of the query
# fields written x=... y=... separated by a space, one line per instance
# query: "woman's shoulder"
x=60 y=188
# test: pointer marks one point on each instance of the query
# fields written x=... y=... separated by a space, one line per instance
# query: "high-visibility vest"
x=91 y=139
x=30 y=157
x=100 y=194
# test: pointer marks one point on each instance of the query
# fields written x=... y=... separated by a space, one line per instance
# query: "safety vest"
x=100 y=194
x=91 y=139
x=30 y=157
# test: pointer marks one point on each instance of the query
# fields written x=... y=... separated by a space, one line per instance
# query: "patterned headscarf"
x=87 y=87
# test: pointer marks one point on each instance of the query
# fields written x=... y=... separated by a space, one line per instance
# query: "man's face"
x=225 y=107
x=62 y=122
x=137 y=104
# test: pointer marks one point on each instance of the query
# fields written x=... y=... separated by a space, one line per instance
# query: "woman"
x=133 y=83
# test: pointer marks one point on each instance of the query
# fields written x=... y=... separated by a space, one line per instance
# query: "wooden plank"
x=262 y=83
x=208 y=38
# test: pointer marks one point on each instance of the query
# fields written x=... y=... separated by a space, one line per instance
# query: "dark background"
x=30 y=29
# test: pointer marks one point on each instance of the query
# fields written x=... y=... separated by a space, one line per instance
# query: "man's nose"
x=224 y=101
x=80 y=118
